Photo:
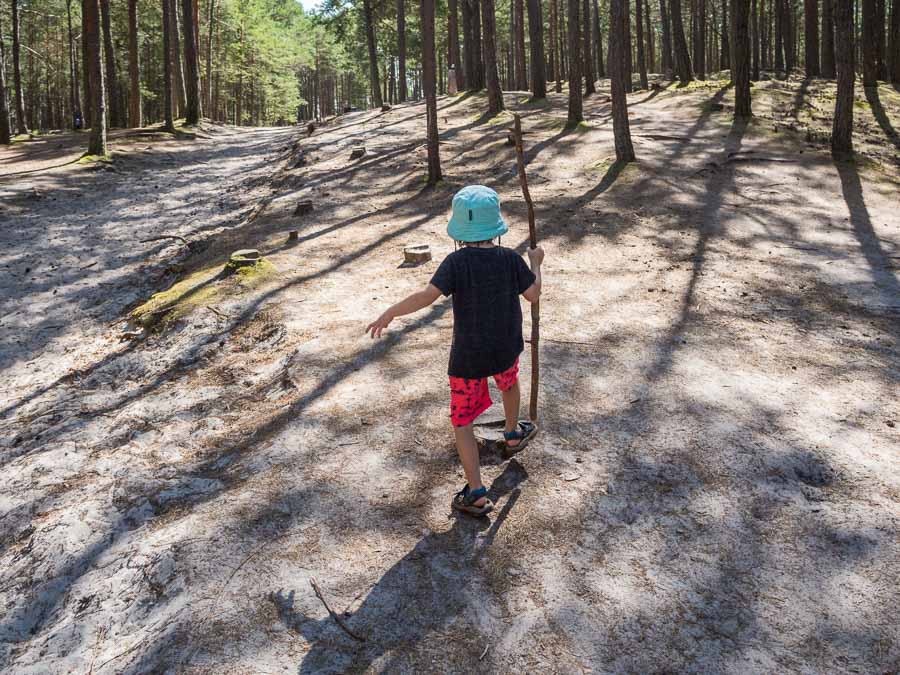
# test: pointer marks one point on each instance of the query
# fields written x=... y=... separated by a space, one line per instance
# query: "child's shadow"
x=431 y=587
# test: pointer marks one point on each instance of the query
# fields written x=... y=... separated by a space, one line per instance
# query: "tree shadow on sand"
x=438 y=583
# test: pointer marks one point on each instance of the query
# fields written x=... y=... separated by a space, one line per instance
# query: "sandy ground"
x=715 y=487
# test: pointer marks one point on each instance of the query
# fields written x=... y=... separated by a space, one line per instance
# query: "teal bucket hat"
x=476 y=215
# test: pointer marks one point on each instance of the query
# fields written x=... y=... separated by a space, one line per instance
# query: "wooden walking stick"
x=536 y=305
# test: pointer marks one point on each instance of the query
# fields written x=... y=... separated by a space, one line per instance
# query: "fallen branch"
x=166 y=236
x=218 y=313
x=337 y=619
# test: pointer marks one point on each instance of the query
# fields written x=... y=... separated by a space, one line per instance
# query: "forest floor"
x=715 y=485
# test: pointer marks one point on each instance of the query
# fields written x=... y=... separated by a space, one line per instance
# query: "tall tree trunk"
x=589 y=86
x=470 y=62
x=453 y=46
x=740 y=61
x=682 y=57
x=668 y=65
x=779 y=35
x=5 y=129
x=90 y=10
x=239 y=87
x=576 y=106
x=754 y=17
x=476 y=41
x=401 y=50
x=220 y=66
x=429 y=85
x=211 y=24
x=492 y=76
x=521 y=72
x=551 y=56
x=109 y=60
x=629 y=62
x=788 y=35
x=375 y=85
x=193 y=110
x=536 y=45
x=651 y=49
x=85 y=74
x=555 y=39
x=828 y=38
x=725 y=57
x=811 y=37
x=894 y=44
x=21 y=127
x=639 y=35
x=701 y=40
x=880 y=16
x=869 y=43
x=168 y=103
x=134 y=68
x=74 y=96
x=180 y=99
x=842 y=128
x=618 y=25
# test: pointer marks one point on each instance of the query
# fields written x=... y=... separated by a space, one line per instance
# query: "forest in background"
x=267 y=62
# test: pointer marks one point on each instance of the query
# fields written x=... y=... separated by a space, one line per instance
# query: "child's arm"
x=411 y=303
x=535 y=257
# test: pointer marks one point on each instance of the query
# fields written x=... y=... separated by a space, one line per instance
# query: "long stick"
x=536 y=305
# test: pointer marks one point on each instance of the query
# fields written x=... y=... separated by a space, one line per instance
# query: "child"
x=485 y=281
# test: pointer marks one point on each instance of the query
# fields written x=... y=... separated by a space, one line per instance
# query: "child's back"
x=487 y=318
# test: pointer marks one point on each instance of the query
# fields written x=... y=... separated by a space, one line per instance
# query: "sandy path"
x=715 y=486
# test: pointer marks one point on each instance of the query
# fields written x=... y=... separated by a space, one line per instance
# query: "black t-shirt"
x=487 y=319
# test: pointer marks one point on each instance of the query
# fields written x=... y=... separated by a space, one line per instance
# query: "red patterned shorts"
x=469 y=398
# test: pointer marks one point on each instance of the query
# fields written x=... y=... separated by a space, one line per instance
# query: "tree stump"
x=244 y=257
x=304 y=207
x=357 y=152
x=293 y=235
x=310 y=128
x=385 y=108
x=417 y=254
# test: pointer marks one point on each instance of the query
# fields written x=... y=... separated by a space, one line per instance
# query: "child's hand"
x=536 y=256
x=379 y=325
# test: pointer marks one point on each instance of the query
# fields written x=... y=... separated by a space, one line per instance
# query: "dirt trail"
x=714 y=488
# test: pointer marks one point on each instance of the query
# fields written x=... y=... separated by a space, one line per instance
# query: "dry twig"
x=338 y=620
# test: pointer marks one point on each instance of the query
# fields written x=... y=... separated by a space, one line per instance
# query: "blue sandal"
x=524 y=433
x=465 y=501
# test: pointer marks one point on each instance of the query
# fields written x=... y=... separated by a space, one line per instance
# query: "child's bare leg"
x=467 y=448
x=511 y=400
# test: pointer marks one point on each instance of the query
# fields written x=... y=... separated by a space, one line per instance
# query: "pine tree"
x=5 y=130
x=869 y=43
x=429 y=85
x=740 y=61
x=401 y=49
x=682 y=57
x=536 y=45
x=576 y=105
x=492 y=76
x=827 y=62
x=811 y=37
x=369 y=21
x=589 y=86
x=639 y=35
x=168 y=116
x=134 y=68
x=618 y=21
x=842 y=127
x=193 y=109
x=90 y=11
x=21 y=127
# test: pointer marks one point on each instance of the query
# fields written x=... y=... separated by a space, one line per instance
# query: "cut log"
x=415 y=255
x=304 y=207
x=293 y=235
x=357 y=152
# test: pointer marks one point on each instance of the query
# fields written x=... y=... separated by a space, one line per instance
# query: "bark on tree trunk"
x=469 y=48
x=521 y=72
x=618 y=24
x=701 y=39
x=589 y=86
x=476 y=41
x=779 y=35
x=21 y=127
x=869 y=43
x=5 y=130
x=828 y=38
x=488 y=22
x=788 y=35
x=168 y=115
x=668 y=66
x=536 y=45
x=373 y=54
x=598 y=42
x=682 y=57
x=180 y=100
x=193 y=110
x=91 y=12
x=211 y=23
x=429 y=85
x=639 y=35
x=576 y=108
x=554 y=37
x=880 y=16
x=894 y=44
x=811 y=38
x=651 y=49
x=134 y=68
x=401 y=51
x=740 y=30
x=725 y=56
x=754 y=18
x=109 y=60
x=842 y=128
